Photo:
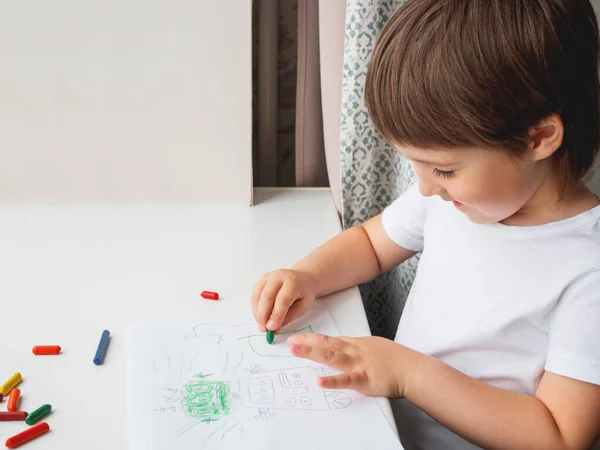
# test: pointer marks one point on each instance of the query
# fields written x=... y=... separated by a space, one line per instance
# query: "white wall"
x=125 y=101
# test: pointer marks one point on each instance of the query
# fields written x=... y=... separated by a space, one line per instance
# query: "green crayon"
x=270 y=336
x=38 y=414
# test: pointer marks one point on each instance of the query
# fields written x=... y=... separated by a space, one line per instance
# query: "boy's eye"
x=443 y=173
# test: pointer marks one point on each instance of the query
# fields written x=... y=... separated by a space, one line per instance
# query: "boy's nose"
x=430 y=188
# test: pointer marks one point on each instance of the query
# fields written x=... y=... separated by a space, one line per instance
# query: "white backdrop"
x=125 y=101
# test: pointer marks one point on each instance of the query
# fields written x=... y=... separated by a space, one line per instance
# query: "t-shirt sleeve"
x=404 y=219
x=574 y=328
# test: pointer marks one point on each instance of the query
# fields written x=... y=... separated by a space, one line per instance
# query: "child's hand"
x=371 y=365
x=282 y=296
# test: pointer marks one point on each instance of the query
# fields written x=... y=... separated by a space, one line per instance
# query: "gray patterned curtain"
x=373 y=173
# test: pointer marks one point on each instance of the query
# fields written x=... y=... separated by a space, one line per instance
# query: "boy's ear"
x=546 y=137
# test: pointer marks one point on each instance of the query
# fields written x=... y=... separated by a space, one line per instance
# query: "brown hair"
x=481 y=73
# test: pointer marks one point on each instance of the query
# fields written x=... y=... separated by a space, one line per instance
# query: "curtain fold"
x=332 y=23
x=288 y=148
x=274 y=74
x=311 y=167
x=265 y=62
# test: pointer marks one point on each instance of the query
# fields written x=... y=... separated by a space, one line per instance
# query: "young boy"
x=495 y=102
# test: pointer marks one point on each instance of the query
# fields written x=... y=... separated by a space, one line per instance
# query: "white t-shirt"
x=499 y=303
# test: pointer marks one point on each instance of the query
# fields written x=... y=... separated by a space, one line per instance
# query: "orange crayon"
x=13 y=400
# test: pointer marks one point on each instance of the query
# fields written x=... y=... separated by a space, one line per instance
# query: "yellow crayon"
x=10 y=384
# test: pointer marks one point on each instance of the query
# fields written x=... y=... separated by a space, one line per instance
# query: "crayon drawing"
x=216 y=385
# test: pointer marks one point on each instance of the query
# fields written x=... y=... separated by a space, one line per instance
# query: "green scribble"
x=202 y=375
x=194 y=359
x=205 y=441
x=193 y=334
x=229 y=429
x=240 y=435
x=240 y=363
x=188 y=427
x=306 y=329
x=188 y=424
x=262 y=354
x=218 y=336
x=208 y=401
x=226 y=362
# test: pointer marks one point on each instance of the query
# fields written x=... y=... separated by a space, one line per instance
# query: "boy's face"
x=488 y=186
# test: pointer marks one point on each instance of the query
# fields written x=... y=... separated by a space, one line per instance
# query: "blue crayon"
x=102 y=346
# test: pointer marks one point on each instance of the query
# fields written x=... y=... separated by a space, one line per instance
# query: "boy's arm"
x=354 y=256
x=564 y=414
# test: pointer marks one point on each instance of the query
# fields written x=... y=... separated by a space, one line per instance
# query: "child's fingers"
x=348 y=380
x=298 y=308
x=258 y=288
x=266 y=301
x=321 y=341
x=285 y=298
x=332 y=352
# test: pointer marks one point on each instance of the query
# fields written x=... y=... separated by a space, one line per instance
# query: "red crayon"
x=12 y=415
x=210 y=295
x=27 y=435
x=46 y=350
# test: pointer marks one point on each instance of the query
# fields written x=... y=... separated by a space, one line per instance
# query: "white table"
x=69 y=272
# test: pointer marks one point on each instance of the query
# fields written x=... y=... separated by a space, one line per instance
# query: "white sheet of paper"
x=206 y=385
